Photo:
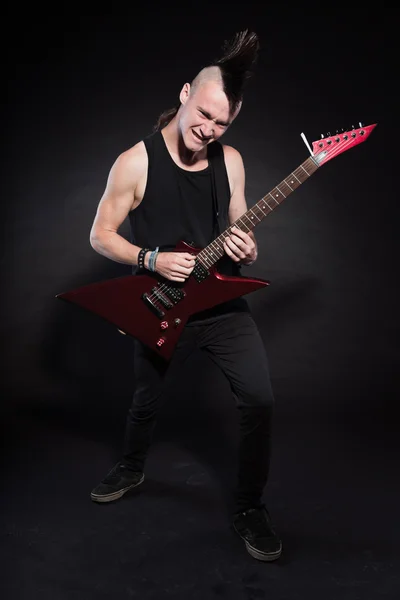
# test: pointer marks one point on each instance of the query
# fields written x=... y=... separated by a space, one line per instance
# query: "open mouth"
x=202 y=140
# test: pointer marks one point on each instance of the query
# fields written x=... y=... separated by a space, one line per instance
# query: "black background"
x=82 y=88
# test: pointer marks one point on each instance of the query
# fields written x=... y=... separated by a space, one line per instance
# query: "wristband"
x=141 y=255
x=152 y=259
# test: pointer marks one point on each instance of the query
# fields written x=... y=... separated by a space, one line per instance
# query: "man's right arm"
x=117 y=201
x=123 y=191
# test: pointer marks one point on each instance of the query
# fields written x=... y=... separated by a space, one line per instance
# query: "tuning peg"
x=360 y=124
x=322 y=136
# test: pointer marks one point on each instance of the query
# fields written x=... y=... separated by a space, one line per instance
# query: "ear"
x=185 y=92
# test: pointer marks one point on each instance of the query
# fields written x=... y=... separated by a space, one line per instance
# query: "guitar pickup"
x=175 y=294
x=152 y=306
x=200 y=273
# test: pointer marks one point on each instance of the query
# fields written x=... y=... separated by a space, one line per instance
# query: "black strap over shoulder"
x=220 y=184
x=148 y=142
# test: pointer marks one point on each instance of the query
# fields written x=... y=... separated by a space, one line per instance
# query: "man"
x=166 y=186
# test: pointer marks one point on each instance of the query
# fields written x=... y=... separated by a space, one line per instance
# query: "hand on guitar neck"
x=240 y=246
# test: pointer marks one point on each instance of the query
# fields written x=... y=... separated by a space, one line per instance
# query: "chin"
x=191 y=145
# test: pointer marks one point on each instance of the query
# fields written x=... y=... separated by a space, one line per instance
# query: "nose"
x=207 y=129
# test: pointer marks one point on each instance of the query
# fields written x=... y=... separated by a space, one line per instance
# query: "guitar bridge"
x=152 y=306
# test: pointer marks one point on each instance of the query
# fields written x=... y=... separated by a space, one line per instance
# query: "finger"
x=241 y=234
x=230 y=252
x=181 y=258
x=238 y=241
x=177 y=277
x=184 y=270
x=182 y=267
x=186 y=262
x=235 y=249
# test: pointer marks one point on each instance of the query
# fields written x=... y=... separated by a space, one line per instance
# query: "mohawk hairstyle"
x=237 y=64
x=235 y=67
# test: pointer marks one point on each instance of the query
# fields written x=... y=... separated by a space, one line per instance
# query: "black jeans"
x=234 y=343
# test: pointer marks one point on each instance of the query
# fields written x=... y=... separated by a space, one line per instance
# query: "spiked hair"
x=237 y=64
x=234 y=68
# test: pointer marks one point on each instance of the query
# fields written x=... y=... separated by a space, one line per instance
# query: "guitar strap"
x=220 y=187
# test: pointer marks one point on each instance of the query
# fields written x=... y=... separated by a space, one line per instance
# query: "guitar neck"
x=214 y=251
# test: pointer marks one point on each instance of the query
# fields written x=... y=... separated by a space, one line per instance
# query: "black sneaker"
x=118 y=481
x=254 y=527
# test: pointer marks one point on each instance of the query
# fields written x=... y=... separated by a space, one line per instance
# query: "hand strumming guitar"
x=175 y=266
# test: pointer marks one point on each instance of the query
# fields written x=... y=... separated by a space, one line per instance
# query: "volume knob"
x=161 y=341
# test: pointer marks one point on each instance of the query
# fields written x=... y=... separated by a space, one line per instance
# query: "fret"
x=304 y=170
x=289 y=186
x=300 y=182
x=280 y=192
x=248 y=218
x=251 y=218
x=217 y=249
x=208 y=259
x=273 y=198
x=259 y=207
x=200 y=258
x=270 y=209
x=254 y=214
x=284 y=189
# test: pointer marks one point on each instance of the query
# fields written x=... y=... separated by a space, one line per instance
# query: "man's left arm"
x=240 y=246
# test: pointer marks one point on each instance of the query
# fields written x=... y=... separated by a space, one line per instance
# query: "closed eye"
x=208 y=116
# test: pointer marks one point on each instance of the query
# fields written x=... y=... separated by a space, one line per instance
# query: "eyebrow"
x=207 y=114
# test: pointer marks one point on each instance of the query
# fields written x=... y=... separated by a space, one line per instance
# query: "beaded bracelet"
x=141 y=255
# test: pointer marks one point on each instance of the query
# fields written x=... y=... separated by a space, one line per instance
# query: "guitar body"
x=130 y=304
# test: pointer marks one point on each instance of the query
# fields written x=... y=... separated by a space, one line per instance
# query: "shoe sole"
x=115 y=495
x=260 y=556
x=257 y=554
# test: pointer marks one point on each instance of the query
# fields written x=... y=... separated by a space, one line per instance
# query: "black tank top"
x=181 y=205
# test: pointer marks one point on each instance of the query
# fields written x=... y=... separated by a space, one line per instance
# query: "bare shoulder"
x=233 y=158
x=130 y=164
x=234 y=167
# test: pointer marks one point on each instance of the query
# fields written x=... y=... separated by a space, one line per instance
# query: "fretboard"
x=214 y=251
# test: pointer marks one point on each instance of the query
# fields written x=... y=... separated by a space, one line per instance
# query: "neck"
x=176 y=145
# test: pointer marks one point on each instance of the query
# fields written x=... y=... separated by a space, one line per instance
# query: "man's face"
x=205 y=115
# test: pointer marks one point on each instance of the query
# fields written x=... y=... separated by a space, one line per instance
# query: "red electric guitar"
x=154 y=310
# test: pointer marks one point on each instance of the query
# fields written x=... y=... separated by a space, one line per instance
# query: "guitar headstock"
x=329 y=147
